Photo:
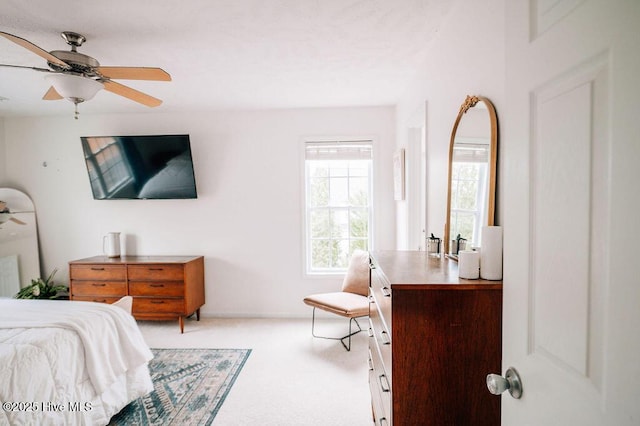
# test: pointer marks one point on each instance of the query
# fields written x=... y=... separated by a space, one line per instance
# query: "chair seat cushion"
x=340 y=303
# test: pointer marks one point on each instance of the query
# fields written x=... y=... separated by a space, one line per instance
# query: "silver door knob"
x=511 y=382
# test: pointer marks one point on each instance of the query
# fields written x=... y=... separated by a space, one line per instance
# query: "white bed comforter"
x=67 y=362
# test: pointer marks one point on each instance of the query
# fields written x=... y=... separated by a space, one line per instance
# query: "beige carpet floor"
x=290 y=378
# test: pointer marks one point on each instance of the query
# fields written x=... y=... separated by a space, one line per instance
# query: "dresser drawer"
x=380 y=387
x=381 y=291
x=99 y=299
x=155 y=272
x=380 y=336
x=98 y=272
x=99 y=288
x=157 y=305
x=156 y=288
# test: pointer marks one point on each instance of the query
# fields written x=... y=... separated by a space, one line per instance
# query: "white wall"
x=247 y=220
x=466 y=58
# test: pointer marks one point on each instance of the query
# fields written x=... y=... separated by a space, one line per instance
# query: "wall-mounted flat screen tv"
x=140 y=167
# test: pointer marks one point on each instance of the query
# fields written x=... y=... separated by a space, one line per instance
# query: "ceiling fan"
x=78 y=77
x=6 y=215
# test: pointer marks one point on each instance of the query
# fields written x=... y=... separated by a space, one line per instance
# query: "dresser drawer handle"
x=157 y=302
x=97 y=269
x=156 y=269
x=100 y=301
x=384 y=383
x=384 y=336
x=156 y=285
x=386 y=292
x=98 y=284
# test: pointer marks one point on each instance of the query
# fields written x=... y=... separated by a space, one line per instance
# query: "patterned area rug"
x=190 y=387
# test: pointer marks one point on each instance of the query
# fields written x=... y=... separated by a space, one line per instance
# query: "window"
x=338 y=188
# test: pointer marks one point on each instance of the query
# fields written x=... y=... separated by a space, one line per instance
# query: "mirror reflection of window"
x=108 y=167
x=469 y=180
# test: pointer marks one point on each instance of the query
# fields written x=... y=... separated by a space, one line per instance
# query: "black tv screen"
x=140 y=167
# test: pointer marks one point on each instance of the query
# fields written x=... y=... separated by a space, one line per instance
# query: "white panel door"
x=571 y=147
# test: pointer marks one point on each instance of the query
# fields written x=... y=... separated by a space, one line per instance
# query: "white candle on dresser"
x=491 y=253
x=469 y=264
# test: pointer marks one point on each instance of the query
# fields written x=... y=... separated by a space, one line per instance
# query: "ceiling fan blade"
x=135 y=73
x=22 y=66
x=18 y=221
x=134 y=95
x=35 y=49
x=52 y=95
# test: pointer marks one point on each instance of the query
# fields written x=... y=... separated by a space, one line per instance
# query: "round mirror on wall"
x=473 y=151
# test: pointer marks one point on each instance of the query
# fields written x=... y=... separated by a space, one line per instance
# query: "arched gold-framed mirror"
x=19 y=256
x=471 y=193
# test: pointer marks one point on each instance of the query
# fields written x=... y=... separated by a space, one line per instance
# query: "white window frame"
x=307 y=240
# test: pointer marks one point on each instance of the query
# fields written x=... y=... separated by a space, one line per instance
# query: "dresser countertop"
x=417 y=270
x=134 y=259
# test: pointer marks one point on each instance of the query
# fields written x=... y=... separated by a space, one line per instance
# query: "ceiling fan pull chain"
x=76 y=113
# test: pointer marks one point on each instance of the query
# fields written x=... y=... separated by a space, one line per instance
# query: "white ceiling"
x=225 y=54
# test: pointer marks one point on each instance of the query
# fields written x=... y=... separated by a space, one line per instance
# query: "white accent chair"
x=351 y=302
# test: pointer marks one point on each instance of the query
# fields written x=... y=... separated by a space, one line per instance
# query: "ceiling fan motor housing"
x=79 y=62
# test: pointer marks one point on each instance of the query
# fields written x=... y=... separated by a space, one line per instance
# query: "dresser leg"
x=181 y=321
x=198 y=314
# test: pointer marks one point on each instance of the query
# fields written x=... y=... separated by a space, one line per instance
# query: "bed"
x=64 y=362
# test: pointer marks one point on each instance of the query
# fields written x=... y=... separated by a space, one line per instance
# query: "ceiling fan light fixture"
x=75 y=88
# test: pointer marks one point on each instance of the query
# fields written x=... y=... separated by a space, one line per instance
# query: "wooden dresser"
x=162 y=287
x=434 y=338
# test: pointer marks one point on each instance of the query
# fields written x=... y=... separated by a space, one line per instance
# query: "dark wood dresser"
x=434 y=338
x=162 y=287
